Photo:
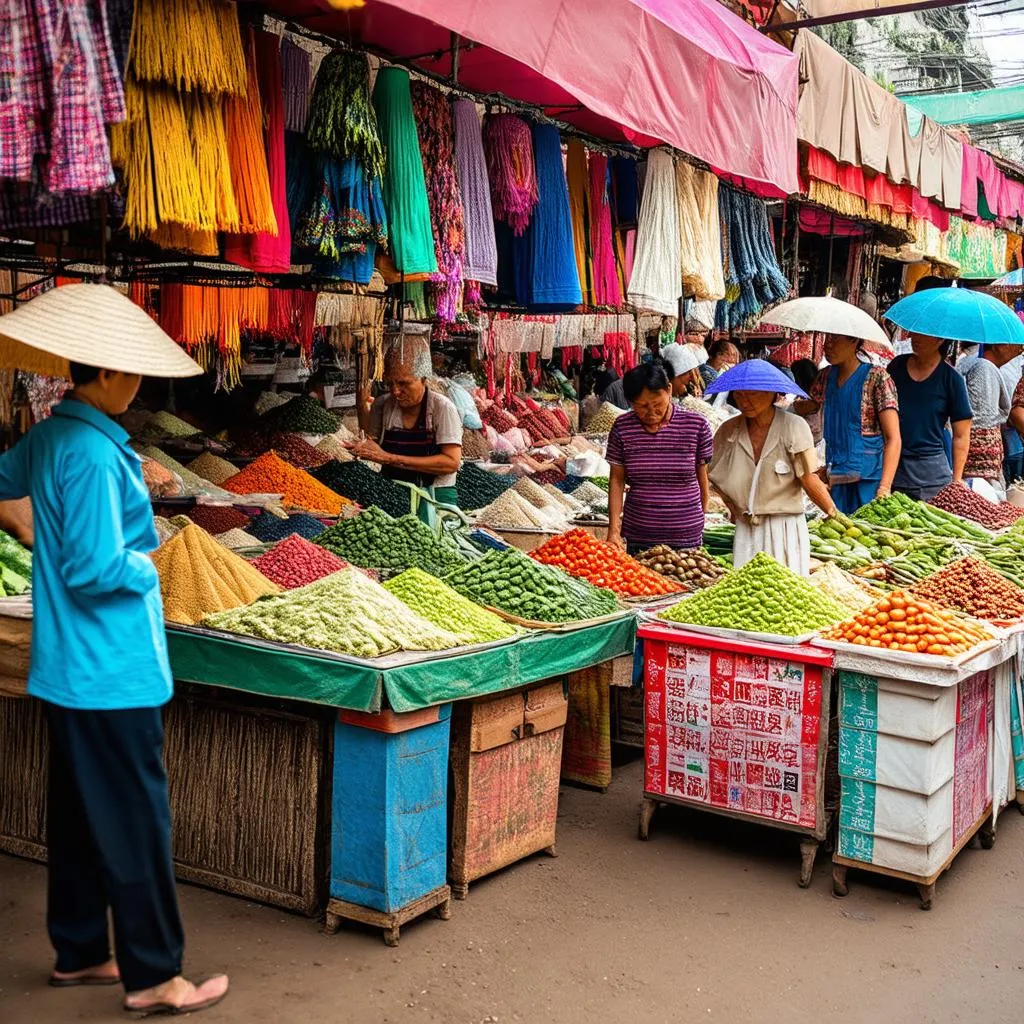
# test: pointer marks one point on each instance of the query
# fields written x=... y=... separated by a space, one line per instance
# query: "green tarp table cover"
x=237 y=663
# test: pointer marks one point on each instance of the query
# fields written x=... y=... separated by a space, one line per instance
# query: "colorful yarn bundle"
x=404 y=188
x=268 y=252
x=509 y=149
x=606 y=289
x=578 y=177
x=480 y=262
x=437 y=148
x=753 y=279
x=700 y=236
x=547 y=278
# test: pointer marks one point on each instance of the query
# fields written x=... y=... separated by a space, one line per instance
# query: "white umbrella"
x=825 y=315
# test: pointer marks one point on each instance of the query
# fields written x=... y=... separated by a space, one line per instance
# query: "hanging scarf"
x=437 y=149
x=481 y=253
x=509 y=151
x=577 y=175
x=700 y=236
x=606 y=278
x=656 y=283
x=296 y=71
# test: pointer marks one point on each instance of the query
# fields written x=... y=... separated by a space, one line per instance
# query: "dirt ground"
x=704 y=922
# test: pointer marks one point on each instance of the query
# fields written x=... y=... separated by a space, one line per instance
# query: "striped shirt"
x=663 y=503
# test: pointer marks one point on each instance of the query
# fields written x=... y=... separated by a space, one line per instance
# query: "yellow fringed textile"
x=179 y=194
x=243 y=121
x=179 y=239
x=132 y=152
x=189 y=45
x=209 y=142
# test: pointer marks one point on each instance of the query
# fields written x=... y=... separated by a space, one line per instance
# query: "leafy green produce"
x=852 y=543
x=438 y=603
x=345 y=612
x=17 y=559
x=374 y=540
x=477 y=488
x=517 y=585
x=364 y=486
x=762 y=597
x=898 y=512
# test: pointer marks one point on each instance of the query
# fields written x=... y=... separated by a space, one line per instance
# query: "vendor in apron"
x=414 y=433
x=861 y=424
x=764 y=463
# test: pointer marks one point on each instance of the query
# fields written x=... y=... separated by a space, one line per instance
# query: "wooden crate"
x=587 y=753
x=505 y=758
x=249 y=789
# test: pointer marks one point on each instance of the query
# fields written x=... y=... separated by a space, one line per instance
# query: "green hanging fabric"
x=405 y=190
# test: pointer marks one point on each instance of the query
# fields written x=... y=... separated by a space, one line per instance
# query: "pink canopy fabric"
x=684 y=72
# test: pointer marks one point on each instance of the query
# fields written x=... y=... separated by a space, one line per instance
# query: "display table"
x=505 y=759
x=924 y=763
x=737 y=728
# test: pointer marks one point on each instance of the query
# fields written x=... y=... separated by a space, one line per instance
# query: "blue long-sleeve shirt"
x=98 y=639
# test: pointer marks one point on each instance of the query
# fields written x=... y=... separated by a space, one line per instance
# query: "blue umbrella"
x=959 y=315
x=1014 y=279
x=754 y=375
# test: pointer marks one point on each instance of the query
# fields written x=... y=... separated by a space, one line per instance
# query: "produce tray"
x=734 y=634
x=905 y=657
x=559 y=627
x=386 y=661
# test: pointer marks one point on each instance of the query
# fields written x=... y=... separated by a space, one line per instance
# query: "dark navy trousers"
x=109 y=837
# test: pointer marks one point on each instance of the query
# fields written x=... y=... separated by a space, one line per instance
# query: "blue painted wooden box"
x=389 y=838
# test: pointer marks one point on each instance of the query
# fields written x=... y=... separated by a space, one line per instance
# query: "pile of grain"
x=270 y=400
x=602 y=420
x=212 y=467
x=335 y=448
x=236 y=539
x=198 y=576
x=591 y=495
x=474 y=445
x=270 y=474
x=166 y=424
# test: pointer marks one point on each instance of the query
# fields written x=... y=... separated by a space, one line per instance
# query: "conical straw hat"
x=92 y=324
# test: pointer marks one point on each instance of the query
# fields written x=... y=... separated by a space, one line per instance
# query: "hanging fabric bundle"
x=243 y=120
x=699 y=233
x=405 y=191
x=191 y=45
x=656 y=283
x=342 y=121
x=548 y=272
x=480 y=262
x=268 y=252
x=437 y=148
x=510 y=166
x=607 y=291
x=296 y=73
x=578 y=177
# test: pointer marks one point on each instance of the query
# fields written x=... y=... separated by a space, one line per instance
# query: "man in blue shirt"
x=99 y=663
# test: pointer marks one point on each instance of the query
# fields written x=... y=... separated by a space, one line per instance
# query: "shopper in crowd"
x=683 y=367
x=615 y=394
x=931 y=394
x=764 y=463
x=861 y=424
x=99 y=656
x=1009 y=360
x=805 y=373
x=414 y=433
x=722 y=355
x=1016 y=424
x=661 y=451
x=990 y=402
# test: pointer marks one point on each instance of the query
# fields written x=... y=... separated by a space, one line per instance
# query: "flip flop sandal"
x=170 y=1010
x=85 y=979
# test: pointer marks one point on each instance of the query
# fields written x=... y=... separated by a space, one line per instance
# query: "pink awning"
x=685 y=72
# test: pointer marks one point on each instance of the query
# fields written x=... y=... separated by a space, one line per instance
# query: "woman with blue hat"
x=764 y=463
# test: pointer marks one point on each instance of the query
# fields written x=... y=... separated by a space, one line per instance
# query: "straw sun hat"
x=92 y=324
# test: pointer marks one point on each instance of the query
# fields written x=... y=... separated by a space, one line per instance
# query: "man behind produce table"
x=414 y=433
x=764 y=462
x=99 y=652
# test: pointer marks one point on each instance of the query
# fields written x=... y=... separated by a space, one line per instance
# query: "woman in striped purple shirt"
x=662 y=452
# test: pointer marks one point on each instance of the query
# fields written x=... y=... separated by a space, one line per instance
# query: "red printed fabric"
x=1018 y=394
x=879 y=394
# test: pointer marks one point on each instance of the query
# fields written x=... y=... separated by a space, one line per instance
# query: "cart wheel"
x=460 y=891
x=443 y=910
x=808 y=851
x=987 y=836
x=839 y=886
x=551 y=851
x=647 y=809
x=332 y=922
x=391 y=936
x=927 y=894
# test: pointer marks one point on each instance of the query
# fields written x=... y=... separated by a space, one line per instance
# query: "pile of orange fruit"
x=903 y=622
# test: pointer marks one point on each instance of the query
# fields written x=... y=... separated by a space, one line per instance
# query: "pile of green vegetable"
x=15 y=566
x=718 y=540
x=374 y=540
x=517 y=585
x=301 y=415
x=438 y=603
x=898 y=512
x=1006 y=554
x=345 y=612
x=850 y=543
x=762 y=597
x=357 y=482
x=477 y=488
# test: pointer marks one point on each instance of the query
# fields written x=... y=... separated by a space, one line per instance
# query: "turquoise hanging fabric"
x=405 y=190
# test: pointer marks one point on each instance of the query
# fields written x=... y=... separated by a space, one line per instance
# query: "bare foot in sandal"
x=177 y=996
x=102 y=974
